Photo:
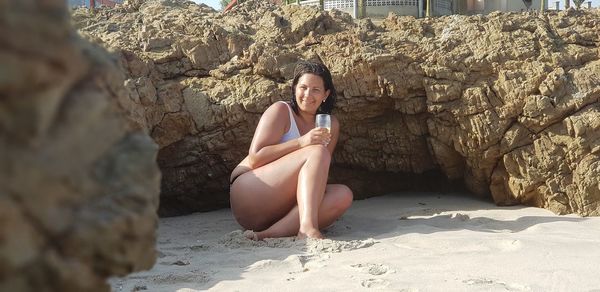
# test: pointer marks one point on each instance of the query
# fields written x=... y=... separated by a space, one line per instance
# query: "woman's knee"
x=343 y=197
x=346 y=195
x=319 y=151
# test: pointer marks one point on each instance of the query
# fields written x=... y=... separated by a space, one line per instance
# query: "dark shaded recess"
x=365 y=183
x=184 y=205
x=191 y=197
x=183 y=198
x=198 y=181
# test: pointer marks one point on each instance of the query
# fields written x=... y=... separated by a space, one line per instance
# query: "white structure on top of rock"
x=416 y=8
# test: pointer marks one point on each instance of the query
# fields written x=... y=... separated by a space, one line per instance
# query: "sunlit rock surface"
x=506 y=103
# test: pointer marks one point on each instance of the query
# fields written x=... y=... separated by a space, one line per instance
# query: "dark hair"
x=306 y=67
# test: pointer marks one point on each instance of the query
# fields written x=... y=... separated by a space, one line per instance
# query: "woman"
x=280 y=189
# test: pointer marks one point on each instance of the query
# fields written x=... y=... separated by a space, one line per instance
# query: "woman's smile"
x=308 y=100
x=310 y=92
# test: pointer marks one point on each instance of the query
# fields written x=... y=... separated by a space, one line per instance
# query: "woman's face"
x=310 y=92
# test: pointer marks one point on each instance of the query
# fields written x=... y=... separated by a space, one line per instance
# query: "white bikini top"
x=293 y=132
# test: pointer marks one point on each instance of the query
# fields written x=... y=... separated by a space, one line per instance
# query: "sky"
x=215 y=3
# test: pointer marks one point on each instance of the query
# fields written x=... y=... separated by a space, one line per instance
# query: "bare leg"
x=310 y=191
x=336 y=201
x=263 y=196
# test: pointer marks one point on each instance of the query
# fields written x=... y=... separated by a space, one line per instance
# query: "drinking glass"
x=323 y=121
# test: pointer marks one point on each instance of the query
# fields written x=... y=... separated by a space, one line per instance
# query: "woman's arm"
x=335 y=134
x=265 y=146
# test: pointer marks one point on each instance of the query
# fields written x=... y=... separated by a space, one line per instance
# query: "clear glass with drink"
x=323 y=121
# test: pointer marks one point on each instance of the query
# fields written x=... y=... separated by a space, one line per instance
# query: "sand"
x=397 y=242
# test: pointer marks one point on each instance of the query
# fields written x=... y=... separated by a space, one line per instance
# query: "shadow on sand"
x=213 y=250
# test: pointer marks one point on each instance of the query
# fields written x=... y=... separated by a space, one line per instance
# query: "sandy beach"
x=397 y=242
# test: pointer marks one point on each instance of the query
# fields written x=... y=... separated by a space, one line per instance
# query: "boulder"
x=79 y=183
x=504 y=103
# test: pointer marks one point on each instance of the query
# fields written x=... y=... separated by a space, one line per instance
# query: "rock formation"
x=79 y=183
x=506 y=103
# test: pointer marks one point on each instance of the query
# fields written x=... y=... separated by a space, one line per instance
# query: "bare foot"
x=311 y=233
x=251 y=235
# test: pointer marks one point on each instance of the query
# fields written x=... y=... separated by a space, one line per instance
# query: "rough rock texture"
x=506 y=103
x=79 y=184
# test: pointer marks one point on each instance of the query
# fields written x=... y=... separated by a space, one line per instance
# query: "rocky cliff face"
x=506 y=103
x=79 y=183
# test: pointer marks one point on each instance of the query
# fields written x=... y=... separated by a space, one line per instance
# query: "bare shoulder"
x=277 y=108
x=271 y=127
x=276 y=111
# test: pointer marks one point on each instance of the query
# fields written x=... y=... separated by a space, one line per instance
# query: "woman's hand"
x=314 y=137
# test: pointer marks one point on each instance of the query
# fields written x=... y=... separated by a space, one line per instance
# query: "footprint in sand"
x=200 y=247
x=375 y=283
x=189 y=277
x=139 y=288
x=303 y=263
x=174 y=263
x=373 y=269
x=296 y=263
x=261 y=265
x=237 y=239
x=496 y=285
x=314 y=261
x=335 y=246
x=460 y=216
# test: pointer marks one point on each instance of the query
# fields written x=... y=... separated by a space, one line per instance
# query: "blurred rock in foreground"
x=506 y=103
x=79 y=183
